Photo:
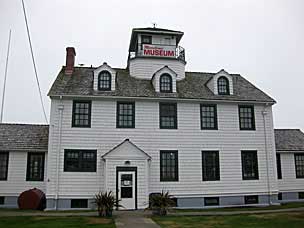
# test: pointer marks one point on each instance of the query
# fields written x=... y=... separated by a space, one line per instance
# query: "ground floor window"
x=168 y=166
x=299 y=163
x=211 y=201
x=79 y=203
x=250 y=165
x=280 y=196
x=2 y=200
x=251 y=199
x=80 y=160
x=35 y=167
x=3 y=165
x=301 y=195
x=210 y=165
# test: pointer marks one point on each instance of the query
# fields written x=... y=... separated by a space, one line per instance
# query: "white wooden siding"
x=189 y=140
x=289 y=182
x=16 y=178
x=144 y=68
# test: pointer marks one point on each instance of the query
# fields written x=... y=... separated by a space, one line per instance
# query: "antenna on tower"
x=5 y=74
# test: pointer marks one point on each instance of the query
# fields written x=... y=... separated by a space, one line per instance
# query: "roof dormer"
x=104 y=78
x=164 y=80
x=221 y=83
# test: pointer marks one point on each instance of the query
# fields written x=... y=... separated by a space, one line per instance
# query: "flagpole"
x=5 y=75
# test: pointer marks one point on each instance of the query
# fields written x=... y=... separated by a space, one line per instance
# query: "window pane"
x=81 y=114
x=35 y=167
x=208 y=117
x=210 y=164
x=104 y=80
x=279 y=170
x=250 y=165
x=3 y=165
x=168 y=116
x=165 y=82
x=246 y=115
x=168 y=166
x=223 y=86
x=299 y=165
x=125 y=115
x=80 y=160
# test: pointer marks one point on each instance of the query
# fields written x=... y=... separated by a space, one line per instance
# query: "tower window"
x=146 y=39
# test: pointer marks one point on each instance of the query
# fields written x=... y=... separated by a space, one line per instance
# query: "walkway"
x=134 y=219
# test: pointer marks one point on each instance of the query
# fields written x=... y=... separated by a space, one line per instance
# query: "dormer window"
x=223 y=86
x=165 y=83
x=104 y=80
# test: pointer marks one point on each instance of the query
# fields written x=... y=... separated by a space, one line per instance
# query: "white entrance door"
x=126 y=189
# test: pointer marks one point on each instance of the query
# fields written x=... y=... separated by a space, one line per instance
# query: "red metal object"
x=33 y=199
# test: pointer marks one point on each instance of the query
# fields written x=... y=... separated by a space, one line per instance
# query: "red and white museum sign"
x=162 y=51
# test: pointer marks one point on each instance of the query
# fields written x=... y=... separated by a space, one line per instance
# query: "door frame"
x=126 y=169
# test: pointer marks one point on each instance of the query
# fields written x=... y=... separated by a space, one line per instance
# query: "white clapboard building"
x=207 y=138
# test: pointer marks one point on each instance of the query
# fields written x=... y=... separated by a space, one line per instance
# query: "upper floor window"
x=3 y=165
x=146 y=39
x=299 y=164
x=223 y=86
x=168 y=166
x=125 y=116
x=104 y=80
x=168 y=115
x=165 y=83
x=80 y=160
x=81 y=114
x=246 y=117
x=35 y=167
x=211 y=165
x=250 y=165
x=208 y=117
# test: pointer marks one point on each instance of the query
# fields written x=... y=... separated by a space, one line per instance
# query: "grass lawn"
x=277 y=220
x=55 y=222
x=282 y=206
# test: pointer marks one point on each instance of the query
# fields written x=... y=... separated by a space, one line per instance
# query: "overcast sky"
x=262 y=40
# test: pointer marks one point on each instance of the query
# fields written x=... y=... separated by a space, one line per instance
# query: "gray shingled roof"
x=24 y=137
x=289 y=140
x=192 y=87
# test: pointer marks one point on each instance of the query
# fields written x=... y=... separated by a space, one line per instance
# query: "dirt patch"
x=96 y=220
x=40 y=218
x=296 y=215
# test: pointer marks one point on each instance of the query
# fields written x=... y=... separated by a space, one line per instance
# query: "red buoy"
x=33 y=199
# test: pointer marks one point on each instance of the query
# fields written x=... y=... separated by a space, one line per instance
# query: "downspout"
x=264 y=113
x=60 y=108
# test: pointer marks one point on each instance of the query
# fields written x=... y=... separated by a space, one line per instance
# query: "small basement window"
x=252 y=199
x=301 y=195
x=2 y=198
x=79 y=203
x=211 y=201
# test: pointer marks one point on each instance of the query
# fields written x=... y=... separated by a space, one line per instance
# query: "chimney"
x=70 y=60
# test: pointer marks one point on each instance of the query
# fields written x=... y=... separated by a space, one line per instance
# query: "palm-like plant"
x=160 y=203
x=105 y=202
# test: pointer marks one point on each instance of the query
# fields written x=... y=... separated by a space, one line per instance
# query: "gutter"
x=60 y=109
x=161 y=98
